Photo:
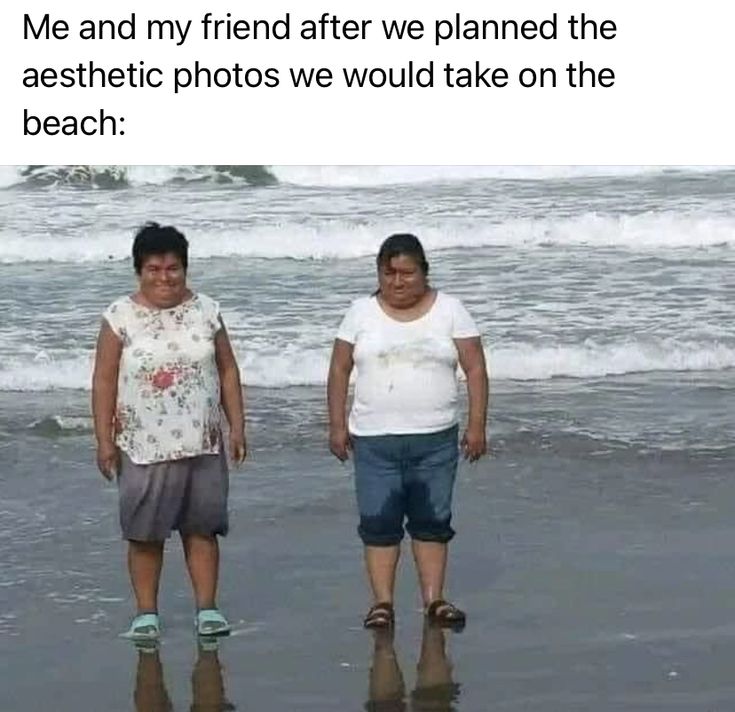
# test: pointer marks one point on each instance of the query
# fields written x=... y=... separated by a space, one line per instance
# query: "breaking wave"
x=273 y=368
x=119 y=177
x=342 y=239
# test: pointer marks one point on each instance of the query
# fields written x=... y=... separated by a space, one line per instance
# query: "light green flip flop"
x=144 y=627
x=209 y=621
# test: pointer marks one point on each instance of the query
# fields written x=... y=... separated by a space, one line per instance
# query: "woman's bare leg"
x=145 y=561
x=431 y=564
x=381 y=563
x=202 y=560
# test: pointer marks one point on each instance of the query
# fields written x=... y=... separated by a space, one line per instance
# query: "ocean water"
x=592 y=275
x=605 y=299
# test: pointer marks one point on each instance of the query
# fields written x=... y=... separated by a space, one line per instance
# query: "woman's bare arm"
x=472 y=361
x=104 y=396
x=231 y=393
x=338 y=382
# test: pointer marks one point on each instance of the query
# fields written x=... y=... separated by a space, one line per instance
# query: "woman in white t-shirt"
x=405 y=342
x=164 y=368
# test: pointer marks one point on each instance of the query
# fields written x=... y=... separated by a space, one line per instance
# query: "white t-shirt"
x=168 y=394
x=406 y=372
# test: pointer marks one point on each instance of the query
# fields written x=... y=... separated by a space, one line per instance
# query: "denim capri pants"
x=405 y=477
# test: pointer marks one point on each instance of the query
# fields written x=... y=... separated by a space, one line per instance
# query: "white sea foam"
x=342 y=239
x=72 y=372
x=63 y=424
x=10 y=176
x=84 y=247
x=373 y=176
x=118 y=176
x=162 y=175
x=318 y=176
x=308 y=367
x=530 y=363
x=158 y=175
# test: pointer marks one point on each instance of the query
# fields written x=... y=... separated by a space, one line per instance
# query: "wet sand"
x=592 y=581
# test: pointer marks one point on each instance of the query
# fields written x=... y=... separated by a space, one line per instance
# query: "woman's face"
x=402 y=281
x=163 y=280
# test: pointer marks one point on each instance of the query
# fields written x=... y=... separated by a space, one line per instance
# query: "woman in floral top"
x=164 y=370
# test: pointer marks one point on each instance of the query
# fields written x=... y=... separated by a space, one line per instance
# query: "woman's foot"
x=209 y=621
x=381 y=615
x=145 y=626
x=445 y=614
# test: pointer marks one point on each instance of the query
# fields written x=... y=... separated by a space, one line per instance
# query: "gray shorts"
x=189 y=495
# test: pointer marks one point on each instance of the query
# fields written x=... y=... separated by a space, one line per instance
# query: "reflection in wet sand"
x=435 y=689
x=150 y=689
x=207 y=682
x=387 y=691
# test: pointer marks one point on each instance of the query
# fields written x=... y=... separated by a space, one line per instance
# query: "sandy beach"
x=594 y=546
x=592 y=579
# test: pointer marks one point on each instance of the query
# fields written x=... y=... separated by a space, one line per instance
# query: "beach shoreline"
x=570 y=564
x=593 y=548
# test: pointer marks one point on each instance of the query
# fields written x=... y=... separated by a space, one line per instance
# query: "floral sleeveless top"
x=168 y=392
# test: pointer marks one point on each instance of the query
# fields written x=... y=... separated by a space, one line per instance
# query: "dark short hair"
x=403 y=243
x=155 y=239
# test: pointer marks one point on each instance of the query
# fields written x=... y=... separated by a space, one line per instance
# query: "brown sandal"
x=381 y=615
x=445 y=614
